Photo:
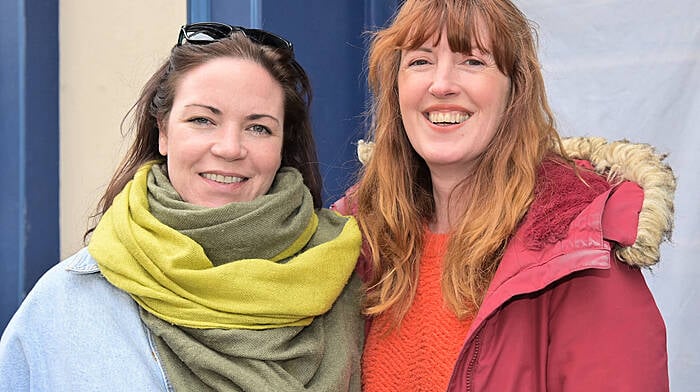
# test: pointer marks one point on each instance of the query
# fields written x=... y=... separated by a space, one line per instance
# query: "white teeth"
x=222 y=179
x=447 y=118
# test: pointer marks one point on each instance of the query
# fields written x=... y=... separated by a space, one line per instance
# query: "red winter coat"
x=569 y=316
x=562 y=313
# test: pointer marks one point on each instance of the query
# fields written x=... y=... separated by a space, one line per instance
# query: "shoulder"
x=60 y=279
x=71 y=279
x=73 y=331
x=346 y=205
x=66 y=297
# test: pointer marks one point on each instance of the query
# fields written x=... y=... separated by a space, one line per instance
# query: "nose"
x=229 y=144
x=444 y=83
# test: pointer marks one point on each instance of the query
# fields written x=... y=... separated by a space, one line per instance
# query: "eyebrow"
x=425 y=49
x=210 y=108
x=254 y=116
x=257 y=116
x=475 y=51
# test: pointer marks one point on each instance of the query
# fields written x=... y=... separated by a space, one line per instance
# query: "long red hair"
x=394 y=196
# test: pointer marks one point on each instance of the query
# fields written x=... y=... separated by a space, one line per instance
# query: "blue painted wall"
x=41 y=161
x=10 y=207
x=29 y=231
x=328 y=43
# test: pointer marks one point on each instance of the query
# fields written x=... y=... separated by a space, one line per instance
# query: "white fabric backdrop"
x=631 y=69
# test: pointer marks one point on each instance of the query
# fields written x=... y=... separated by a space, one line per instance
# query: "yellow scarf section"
x=170 y=276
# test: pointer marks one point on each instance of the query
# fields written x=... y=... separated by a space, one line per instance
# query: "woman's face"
x=451 y=104
x=223 y=136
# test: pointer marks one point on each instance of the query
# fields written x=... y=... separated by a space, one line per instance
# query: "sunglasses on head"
x=208 y=32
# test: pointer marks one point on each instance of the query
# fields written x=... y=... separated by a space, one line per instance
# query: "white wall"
x=108 y=49
x=631 y=69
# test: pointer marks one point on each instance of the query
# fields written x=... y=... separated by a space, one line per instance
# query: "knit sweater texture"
x=420 y=354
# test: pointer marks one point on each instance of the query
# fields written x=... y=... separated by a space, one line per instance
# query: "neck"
x=446 y=201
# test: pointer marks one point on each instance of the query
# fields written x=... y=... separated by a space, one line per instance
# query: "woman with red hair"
x=499 y=256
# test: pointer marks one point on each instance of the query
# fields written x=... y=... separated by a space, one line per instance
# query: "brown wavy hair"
x=394 y=196
x=156 y=100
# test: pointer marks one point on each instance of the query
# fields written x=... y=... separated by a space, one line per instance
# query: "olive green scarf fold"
x=323 y=356
x=271 y=265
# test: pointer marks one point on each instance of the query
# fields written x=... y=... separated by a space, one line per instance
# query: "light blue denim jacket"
x=77 y=332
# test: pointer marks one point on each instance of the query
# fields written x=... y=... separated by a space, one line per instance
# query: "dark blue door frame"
x=29 y=230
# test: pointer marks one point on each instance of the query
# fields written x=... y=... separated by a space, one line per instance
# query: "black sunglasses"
x=208 y=32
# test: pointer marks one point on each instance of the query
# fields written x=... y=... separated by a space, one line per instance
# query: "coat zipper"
x=472 y=363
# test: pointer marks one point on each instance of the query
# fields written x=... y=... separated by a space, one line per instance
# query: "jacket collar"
x=525 y=270
x=82 y=263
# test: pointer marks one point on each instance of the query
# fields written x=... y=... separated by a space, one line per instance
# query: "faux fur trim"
x=559 y=198
x=622 y=160
x=641 y=164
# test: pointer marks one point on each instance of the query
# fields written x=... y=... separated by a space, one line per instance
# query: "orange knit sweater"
x=421 y=353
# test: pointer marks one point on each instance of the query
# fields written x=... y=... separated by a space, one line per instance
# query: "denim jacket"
x=77 y=332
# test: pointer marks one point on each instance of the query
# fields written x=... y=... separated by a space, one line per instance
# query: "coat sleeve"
x=606 y=333
x=14 y=366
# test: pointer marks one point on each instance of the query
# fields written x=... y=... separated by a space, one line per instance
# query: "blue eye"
x=199 y=121
x=418 y=62
x=257 y=128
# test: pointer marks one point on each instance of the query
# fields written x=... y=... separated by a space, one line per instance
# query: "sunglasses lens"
x=268 y=39
x=202 y=33
x=200 y=36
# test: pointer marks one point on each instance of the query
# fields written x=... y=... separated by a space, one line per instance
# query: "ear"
x=162 y=139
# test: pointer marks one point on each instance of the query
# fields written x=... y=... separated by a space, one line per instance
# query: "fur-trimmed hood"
x=641 y=164
x=623 y=160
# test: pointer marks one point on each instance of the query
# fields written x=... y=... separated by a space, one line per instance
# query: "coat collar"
x=82 y=263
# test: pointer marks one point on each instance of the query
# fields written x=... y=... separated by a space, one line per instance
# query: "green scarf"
x=228 y=293
x=271 y=284
x=323 y=356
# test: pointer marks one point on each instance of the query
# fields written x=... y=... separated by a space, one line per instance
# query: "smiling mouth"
x=222 y=179
x=447 y=118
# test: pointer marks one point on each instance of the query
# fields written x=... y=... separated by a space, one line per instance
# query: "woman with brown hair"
x=496 y=258
x=213 y=266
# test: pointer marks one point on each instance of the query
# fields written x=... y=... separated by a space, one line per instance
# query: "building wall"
x=108 y=49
